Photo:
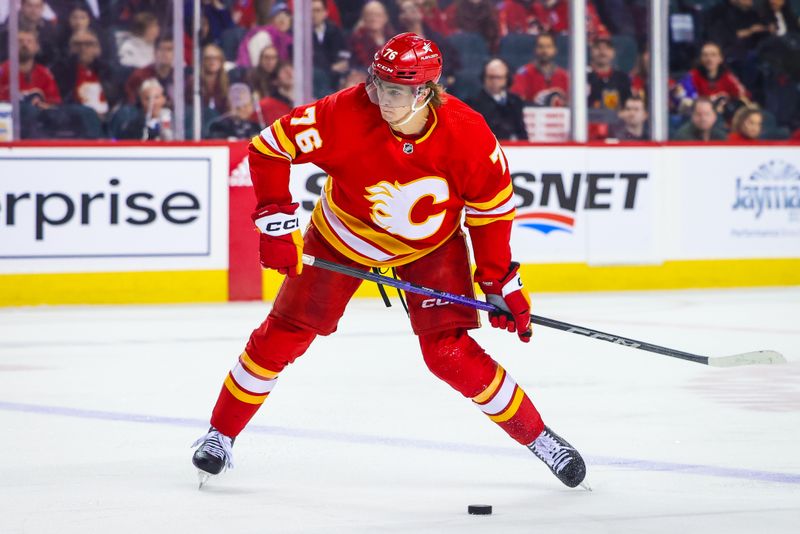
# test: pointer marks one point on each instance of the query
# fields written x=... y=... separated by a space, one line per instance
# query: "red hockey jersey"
x=390 y=200
x=726 y=86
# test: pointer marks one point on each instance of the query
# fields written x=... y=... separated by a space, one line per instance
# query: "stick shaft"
x=485 y=306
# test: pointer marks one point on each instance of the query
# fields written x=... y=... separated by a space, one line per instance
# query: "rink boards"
x=171 y=223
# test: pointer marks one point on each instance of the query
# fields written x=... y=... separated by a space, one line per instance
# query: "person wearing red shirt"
x=553 y=15
x=435 y=18
x=712 y=79
x=370 y=32
x=516 y=16
x=161 y=70
x=36 y=83
x=396 y=196
x=542 y=82
x=280 y=101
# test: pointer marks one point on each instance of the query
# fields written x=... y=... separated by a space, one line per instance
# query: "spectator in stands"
x=214 y=81
x=102 y=13
x=780 y=18
x=261 y=78
x=352 y=78
x=779 y=54
x=542 y=82
x=284 y=83
x=80 y=17
x=282 y=18
x=371 y=32
x=411 y=20
x=747 y=124
x=633 y=121
x=680 y=97
x=267 y=32
x=553 y=16
x=161 y=70
x=126 y=10
x=737 y=27
x=516 y=16
x=476 y=16
x=149 y=120
x=608 y=87
x=702 y=123
x=501 y=108
x=739 y=30
x=84 y=78
x=216 y=18
x=244 y=12
x=712 y=79
x=435 y=18
x=330 y=45
x=138 y=49
x=281 y=101
x=157 y=116
x=37 y=85
x=32 y=17
x=238 y=122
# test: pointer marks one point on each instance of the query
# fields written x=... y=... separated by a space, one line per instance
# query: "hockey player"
x=404 y=161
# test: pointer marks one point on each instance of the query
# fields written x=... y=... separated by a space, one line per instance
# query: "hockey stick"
x=746 y=358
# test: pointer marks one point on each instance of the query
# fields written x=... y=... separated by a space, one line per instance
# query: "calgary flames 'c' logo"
x=392 y=205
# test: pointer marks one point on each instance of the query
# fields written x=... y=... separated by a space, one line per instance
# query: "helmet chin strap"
x=414 y=111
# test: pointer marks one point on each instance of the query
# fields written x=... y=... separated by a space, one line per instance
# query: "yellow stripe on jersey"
x=318 y=218
x=297 y=239
x=361 y=229
x=482 y=221
x=241 y=395
x=264 y=149
x=255 y=368
x=498 y=199
x=487 y=393
x=287 y=145
x=509 y=412
x=430 y=130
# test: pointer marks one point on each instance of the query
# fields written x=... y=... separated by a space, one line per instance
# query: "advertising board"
x=113 y=209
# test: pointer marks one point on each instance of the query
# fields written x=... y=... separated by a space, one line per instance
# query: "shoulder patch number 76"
x=308 y=139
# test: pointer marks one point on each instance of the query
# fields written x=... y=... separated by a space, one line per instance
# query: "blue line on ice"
x=392 y=441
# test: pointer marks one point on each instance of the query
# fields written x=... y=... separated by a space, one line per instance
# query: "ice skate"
x=213 y=455
x=561 y=457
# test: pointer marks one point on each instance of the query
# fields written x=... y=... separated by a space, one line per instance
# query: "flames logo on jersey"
x=392 y=204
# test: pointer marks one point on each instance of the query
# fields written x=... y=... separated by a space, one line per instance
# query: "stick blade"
x=757 y=357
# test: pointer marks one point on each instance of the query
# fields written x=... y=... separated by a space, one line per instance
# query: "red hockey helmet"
x=408 y=59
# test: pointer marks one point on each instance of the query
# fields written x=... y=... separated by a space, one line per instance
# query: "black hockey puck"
x=479 y=509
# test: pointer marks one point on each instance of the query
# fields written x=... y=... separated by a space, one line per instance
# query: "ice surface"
x=98 y=407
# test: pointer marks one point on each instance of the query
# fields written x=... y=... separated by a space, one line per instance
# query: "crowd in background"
x=104 y=69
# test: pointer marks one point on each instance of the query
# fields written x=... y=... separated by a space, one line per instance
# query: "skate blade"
x=585 y=486
x=202 y=478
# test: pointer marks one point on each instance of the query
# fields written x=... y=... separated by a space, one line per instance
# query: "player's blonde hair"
x=437 y=94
